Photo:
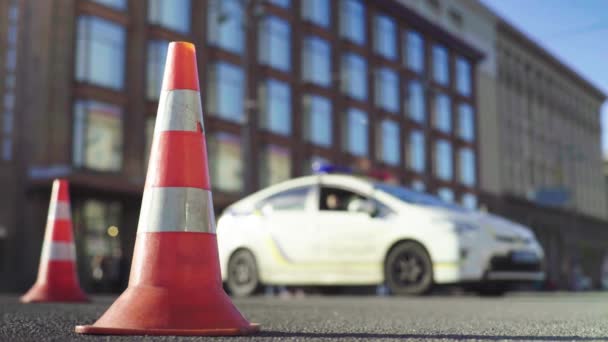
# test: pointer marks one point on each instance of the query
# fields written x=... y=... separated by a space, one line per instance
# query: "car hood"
x=493 y=224
x=502 y=227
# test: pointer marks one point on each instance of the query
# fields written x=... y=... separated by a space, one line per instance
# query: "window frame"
x=157 y=18
x=346 y=131
x=308 y=114
x=344 y=25
x=308 y=13
x=83 y=46
x=313 y=48
x=266 y=98
x=383 y=128
x=381 y=22
x=80 y=134
x=265 y=34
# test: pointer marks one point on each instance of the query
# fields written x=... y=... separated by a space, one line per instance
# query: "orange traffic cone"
x=57 y=280
x=175 y=286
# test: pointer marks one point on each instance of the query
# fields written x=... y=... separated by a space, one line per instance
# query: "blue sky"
x=575 y=31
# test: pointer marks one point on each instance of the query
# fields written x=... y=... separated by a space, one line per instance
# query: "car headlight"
x=459 y=227
x=464 y=227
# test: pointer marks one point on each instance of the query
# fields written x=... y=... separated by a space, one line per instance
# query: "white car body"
x=316 y=247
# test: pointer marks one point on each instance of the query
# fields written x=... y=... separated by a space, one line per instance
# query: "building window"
x=280 y=3
x=7 y=148
x=10 y=81
x=463 y=76
x=386 y=94
x=170 y=14
x=414 y=51
x=466 y=122
x=316 y=61
x=274 y=43
x=7 y=126
x=352 y=21
x=385 y=37
x=469 y=201
x=317 y=120
x=442 y=117
x=11 y=59
x=115 y=4
x=443 y=160
x=446 y=194
x=8 y=110
x=225 y=91
x=466 y=161
x=9 y=100
x=97 y=136
x=416 y=151
x=100 y=52
x=12 y=34
x=355 y=132
x=226 y=162
x=157 y=55
x=441 y=67
x=275 y=107
x=353 y=76
x=275 y=165
x=225 y=25
x=416 y=103
x=316 y=11
x=388 y=142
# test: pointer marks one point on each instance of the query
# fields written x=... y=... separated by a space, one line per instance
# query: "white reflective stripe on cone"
x=179 y=110
x=58 y=251
x=169 y=209
x=59 y=210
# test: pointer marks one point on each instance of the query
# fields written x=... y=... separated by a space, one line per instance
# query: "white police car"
x=335 y=229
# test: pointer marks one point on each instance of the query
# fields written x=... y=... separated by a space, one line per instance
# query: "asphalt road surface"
x=520 y=317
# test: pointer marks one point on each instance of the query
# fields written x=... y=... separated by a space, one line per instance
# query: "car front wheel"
x=408 y=270
x=243 y=279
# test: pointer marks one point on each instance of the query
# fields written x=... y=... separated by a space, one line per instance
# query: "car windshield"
x=415 y=197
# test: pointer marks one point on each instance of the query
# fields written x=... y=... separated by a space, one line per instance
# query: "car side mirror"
x=362 y=206
x=266 y=210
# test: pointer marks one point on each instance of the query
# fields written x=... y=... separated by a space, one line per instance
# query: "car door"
x=293 y=238
x=350 y=231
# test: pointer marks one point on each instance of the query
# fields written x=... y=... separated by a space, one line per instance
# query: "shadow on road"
x=366 y=336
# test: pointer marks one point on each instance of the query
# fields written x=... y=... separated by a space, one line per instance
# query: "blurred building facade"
x=369 y=84
x=540 y=156
x=444 y=96
x=9 y=29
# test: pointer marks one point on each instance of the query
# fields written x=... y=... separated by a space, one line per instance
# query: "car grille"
x=506 y=264
x=512 y=239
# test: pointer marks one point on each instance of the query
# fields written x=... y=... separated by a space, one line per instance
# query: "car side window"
x=293 y=199
x=334 y=199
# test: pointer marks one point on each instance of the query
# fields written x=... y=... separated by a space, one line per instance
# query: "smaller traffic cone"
x=57 y=280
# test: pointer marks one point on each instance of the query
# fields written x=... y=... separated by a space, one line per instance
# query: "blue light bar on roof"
x=324 y=168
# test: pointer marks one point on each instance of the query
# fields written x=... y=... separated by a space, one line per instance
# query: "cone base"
x=174 y=289
x=42 y=293
x=145 y=310
x=94 y=330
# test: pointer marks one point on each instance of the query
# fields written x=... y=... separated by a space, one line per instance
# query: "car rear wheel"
x=243 y=279
x=408 y=270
